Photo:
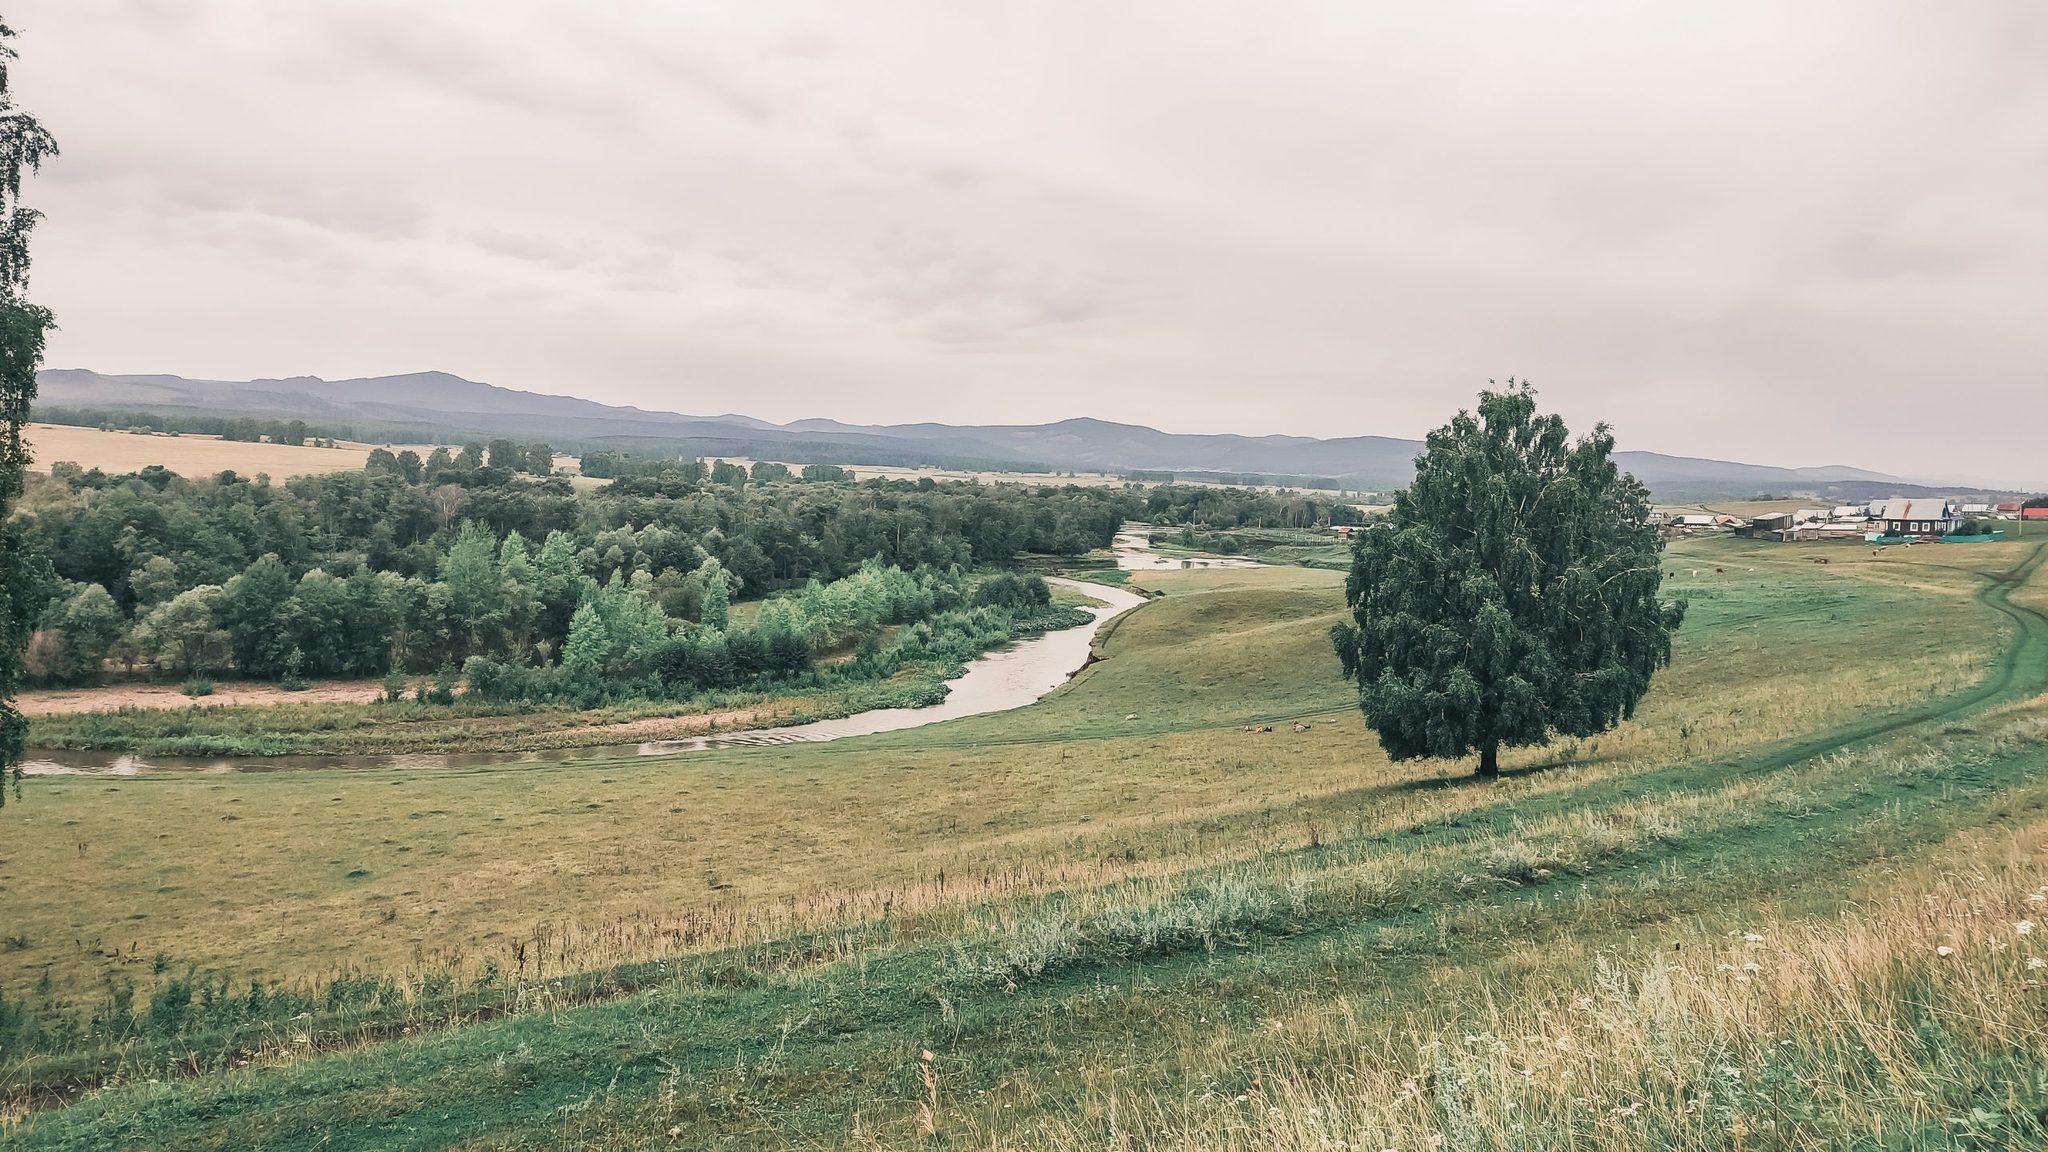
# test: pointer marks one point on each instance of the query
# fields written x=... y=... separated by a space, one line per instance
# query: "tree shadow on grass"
x=1467 y=778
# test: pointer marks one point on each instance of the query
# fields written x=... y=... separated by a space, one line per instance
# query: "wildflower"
x=1752 y=967
x=1944 y=951
x=2035 y=963
x=2024 y=927
x=1752 y=938
x=2037 y=898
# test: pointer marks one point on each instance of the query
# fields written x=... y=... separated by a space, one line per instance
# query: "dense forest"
x=416 y=565
x=478 y=560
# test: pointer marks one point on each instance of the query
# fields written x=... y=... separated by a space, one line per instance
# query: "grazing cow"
x=1300 y=727
x=1720 y=569
x=1820 y=559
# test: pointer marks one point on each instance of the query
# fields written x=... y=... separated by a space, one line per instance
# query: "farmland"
x=120 y=451
x=1113 y=913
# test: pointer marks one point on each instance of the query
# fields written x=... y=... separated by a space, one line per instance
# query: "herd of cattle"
x=1298 y=727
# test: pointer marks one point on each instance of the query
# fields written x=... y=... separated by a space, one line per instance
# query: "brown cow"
x=1300 y=727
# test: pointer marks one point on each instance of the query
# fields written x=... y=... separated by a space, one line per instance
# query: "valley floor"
x=1789 y=905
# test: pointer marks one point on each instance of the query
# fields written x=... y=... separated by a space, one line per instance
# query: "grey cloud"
x=1733 y=230
x=561 y=253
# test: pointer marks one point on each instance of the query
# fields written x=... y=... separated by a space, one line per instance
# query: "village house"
x=2034 y=513
x=1917 y=516
x=1771 y=526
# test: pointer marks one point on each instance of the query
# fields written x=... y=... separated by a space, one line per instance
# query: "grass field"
x=1113 y=918
x=186 y=455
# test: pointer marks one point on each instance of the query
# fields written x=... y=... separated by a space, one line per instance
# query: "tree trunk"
x=1489 y=760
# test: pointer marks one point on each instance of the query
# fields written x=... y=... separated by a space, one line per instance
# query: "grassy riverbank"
x=1114 y=915
x=1306 y=547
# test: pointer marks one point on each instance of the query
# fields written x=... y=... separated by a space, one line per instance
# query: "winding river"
x=1009 y=677
x=1134 y=554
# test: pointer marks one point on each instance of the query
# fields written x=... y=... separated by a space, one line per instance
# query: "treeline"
x=620 y=645
x=516 y=456
x=415 y=565
x=504 y=456
x=244 y=428
x=1239 y=479
x=627 y=466
x=1204 y=507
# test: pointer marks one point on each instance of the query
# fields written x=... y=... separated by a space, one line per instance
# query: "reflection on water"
x=1008 y=678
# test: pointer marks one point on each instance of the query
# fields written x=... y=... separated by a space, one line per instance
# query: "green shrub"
x=197 y=686
x=294 y=678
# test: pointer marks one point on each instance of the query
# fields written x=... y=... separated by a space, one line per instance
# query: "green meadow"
x=1778 y=908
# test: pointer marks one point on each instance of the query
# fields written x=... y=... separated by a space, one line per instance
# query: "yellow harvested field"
x=186 y=455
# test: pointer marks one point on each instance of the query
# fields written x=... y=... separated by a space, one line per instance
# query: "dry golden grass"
x=158 y=697
x=1907 y=1018
x=185 y=455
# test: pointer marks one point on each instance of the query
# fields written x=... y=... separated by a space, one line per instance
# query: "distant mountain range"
x=437 y=406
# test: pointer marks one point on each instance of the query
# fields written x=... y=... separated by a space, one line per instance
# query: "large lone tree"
x=23 y=146
x=1511 y=596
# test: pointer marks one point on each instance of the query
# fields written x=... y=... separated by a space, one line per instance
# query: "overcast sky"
x=1800 y=233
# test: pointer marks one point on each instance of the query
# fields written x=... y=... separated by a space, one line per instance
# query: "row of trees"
x=510 y=457
x=1198 y=506
x=626 y=466
x=247 y=429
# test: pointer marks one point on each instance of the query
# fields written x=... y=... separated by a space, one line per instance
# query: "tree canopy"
x=1512 y=595
x=24 y=145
